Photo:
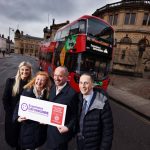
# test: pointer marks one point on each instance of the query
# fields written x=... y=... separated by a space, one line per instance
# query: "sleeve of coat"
x=15 y=113
x=107 y=127
x=7 y=95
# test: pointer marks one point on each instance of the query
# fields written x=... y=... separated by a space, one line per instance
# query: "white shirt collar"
x=59 y=88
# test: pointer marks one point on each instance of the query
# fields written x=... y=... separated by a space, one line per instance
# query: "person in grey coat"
x=95 y=121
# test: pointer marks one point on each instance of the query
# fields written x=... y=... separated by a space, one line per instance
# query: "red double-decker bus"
x=85 y=45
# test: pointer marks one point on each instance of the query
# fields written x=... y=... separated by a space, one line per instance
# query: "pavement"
x=6 y=55
x=133 y=102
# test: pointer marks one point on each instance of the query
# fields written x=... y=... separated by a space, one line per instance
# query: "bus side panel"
x=80 y=43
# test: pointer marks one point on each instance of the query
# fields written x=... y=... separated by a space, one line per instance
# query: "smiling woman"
x=33 y=134
x=13 y=90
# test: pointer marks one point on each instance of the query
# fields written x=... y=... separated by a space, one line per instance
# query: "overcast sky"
x=31 y=16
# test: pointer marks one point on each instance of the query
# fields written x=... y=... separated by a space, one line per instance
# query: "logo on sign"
x=57 y=114
x=24 y=106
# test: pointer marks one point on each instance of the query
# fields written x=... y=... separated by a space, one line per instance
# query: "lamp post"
x=10 y=29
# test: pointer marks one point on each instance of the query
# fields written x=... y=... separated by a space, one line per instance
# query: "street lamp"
x=10 y=29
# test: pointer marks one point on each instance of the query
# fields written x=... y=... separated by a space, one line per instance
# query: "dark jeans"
x=80 y=142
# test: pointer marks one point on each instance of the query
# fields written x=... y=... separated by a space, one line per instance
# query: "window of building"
x=123 y=54
x=113 y=19
x=146 y=19
x=110 y=19
x=22 y=45
x=130 y=18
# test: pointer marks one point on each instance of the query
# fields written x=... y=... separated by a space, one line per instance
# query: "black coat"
x=32 y=133
x=97 y=131
x=68 y=97
x=9 y=102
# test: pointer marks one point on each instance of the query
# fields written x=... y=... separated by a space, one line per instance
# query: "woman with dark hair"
x=13 y=90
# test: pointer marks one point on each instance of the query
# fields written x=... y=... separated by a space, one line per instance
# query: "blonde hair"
x=16 y=85
x=32 y=82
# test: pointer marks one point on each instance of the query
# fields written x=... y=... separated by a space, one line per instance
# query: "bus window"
x=100 y=69
x=57 y=36
x=74 y=29
x=100 y=31
x=71 y=61
x=82 y=26
x=96 y=66
x=65 y=32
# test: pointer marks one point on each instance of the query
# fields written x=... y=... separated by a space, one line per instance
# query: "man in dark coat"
x=62 y=92
x=95 y=117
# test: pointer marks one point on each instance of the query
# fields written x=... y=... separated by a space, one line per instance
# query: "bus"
x=85 y=45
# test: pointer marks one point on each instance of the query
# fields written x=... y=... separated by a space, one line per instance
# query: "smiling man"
x=95 y=117
x=62 y=93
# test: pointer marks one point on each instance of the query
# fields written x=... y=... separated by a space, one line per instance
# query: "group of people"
x=88 y=116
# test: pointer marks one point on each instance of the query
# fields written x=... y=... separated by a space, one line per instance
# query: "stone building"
x=26 y=44
x=3 y=43
x=6 y=44
x=131 y=22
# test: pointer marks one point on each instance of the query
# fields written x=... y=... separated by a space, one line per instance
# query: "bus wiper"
x=91 y=35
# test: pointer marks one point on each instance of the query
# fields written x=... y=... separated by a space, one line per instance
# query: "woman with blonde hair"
x=32 y=133
x=13 y=90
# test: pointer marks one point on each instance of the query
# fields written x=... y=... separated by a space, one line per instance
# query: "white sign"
x=42 y=111
x=97 y=48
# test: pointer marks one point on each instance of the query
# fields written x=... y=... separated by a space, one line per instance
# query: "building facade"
x=6 y=44
x=3 y=43
x=131 y=22
x=26 y=44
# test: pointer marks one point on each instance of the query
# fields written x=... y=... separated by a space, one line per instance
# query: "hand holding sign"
x=62 y=129
x=21 y=119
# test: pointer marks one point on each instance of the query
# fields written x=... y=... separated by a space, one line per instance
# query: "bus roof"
x=84 y=17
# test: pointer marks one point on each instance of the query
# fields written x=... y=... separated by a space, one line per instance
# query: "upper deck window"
x=99 y=30
x=65 y=32
x=76 y=28
x=57 y=36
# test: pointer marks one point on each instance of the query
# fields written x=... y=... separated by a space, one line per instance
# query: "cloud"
x=32 y=15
